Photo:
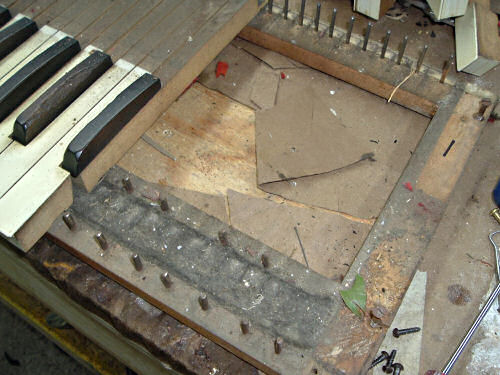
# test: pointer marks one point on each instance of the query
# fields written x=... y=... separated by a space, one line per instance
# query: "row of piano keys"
x=59 y=106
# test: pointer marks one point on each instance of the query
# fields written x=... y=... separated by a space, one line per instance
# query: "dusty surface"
x=460 y=263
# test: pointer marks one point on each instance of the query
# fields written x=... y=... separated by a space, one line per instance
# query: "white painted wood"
x=35 y=52
x=466 y=38
x=22 y=52
x=448 y=8
x=45 y=177
x=370 y=8
x=17 y=159
x=7 y=124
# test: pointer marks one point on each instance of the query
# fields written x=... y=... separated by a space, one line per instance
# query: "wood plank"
x=44 y=178
x=188 y=63
x=335 y=69
x=104 y=21
x=80 y=15
x=52 y=12
x=143 y=28
x=182 y=35
x=20 y=6
x=131 y=18
x=38 y=7
x=7 y=124
x=152 y=40
x=128 y=352
x=16 y=159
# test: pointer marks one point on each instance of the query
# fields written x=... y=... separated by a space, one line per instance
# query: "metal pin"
x=485 y=103
x=496 y=215
x=137 y=262
x=285 y=10
x=332 y=23
x=402 y=49
x=302 y=10
x=349 y=30
x=421 y=58
x=69 y=221
x=127 y=185
x=367 y=35
x=166 y=280
x=203 y=301
x=245 y=327
x=223 y=238
x=101 y=240
x=265 y=261
x=270 y=6
x=278 y=345
x=386 y=43
x=164 y=204
x=316 y=18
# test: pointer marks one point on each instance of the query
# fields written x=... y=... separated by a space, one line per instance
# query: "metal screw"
x=381 y=358
x=101 y=240
x=485 y=103
x=386 y=43
x=164 y=204
x=285 y=10
x=316 y=18
x=203 y=301
x=137 y=262
x=166 y=280
x=265 y=261
x=278 y=345
x=349 y=30
x=270 y=6
x=446 y=68
x=223 y=238
x=421 y=58
x=398 y=367
x=402 y=49
x=245 y=327
x=332 y=23
x=496 y=214
x=69 y=221
x=127 y=185
x=399 y=332
x=302 y=10
x=367 y=35
x=388 y=366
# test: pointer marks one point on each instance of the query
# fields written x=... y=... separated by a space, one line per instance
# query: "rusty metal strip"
x=279 y=298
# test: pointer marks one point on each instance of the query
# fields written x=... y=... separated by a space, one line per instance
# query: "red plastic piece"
x=221 y=69
x=408 y=186
x=283 y=75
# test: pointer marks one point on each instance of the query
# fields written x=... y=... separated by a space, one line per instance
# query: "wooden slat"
x=104 y=21
x=20 y=6
x=38 y=7
x=16 y=159
x=79 y=16
x=143 y=28
x=182 y=35
x=52 y=12
x=181 y=14
x=45 y=178
x=133 y=16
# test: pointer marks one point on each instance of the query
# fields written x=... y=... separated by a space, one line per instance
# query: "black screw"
x=399 y=332
x=316 y=18
x=388 y=366
x=381 y=358
x=285 y=10
x=265 y=261
x=69 y=221
x=398 y=367
x=245 y=327
x=301 y=14
x=164 y=204
x=278 y=344
x=203 y=301
x=127 y=185
x=223 y=238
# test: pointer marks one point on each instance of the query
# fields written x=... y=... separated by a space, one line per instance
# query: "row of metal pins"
x=165 y=278
x=446 y=66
